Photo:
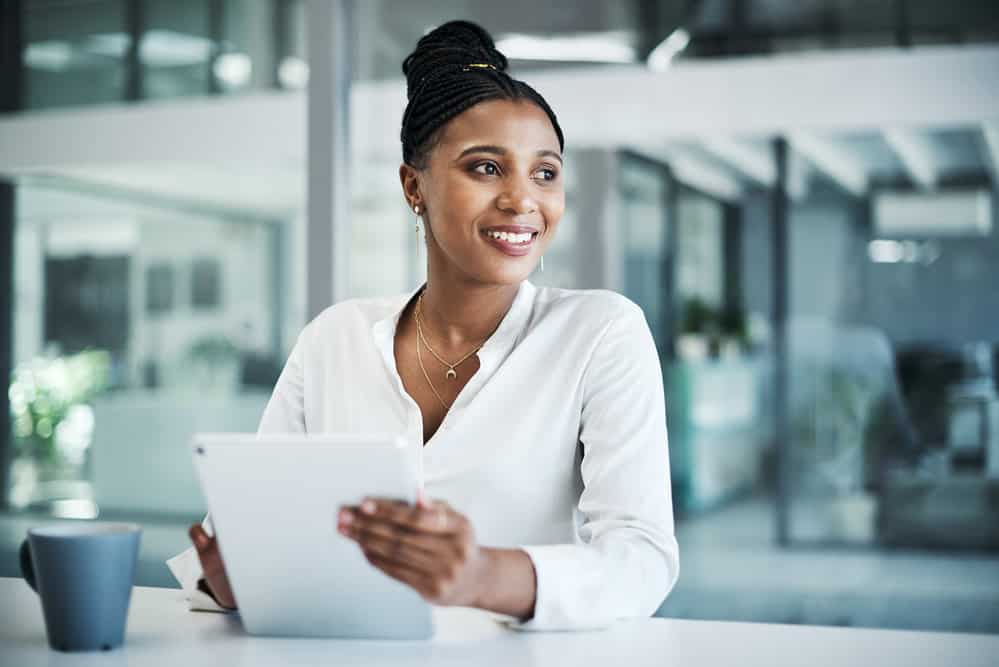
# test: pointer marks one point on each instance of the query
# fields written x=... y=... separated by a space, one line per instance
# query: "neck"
x=460 y=313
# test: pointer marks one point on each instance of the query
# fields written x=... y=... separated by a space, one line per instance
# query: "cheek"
x=460 y=203
x=553 y=208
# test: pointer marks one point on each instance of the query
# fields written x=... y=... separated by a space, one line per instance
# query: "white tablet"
x=274 y=503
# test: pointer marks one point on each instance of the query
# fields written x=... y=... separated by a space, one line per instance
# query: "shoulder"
x=603 y=333
x=350 y=318
x=592 y=309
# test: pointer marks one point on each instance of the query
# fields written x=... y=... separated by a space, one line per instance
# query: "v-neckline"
x=488 y=354
x=410 y=304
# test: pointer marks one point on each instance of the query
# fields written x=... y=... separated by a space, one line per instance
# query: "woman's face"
x=491 y=193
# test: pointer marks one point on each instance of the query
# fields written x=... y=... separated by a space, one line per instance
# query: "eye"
x=486 y=169
x=546 y=174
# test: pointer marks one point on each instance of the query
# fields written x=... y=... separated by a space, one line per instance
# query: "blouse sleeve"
x=285 y=413
x=627 y=558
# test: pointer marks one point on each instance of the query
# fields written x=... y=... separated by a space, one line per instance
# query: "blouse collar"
x=493 y=351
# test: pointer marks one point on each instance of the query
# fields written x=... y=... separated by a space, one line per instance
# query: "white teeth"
x=511 y=238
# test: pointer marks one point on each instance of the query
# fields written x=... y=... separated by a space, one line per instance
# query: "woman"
x=540 y=411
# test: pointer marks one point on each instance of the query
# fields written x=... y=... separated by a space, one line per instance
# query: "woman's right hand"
x=212 y=566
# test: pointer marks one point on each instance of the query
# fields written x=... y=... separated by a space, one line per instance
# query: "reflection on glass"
x=699 y=274
x=699 y=248
x=292 y=67
x=252 y=33
x=643 y=186
x=74 y=53
x=176 y=52
x=892 y=338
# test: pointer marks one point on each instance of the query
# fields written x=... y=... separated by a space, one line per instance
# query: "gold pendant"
x=450 y=375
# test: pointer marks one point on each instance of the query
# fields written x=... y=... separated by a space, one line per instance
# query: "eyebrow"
x=499 y=150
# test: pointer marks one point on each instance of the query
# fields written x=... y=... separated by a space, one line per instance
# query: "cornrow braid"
x=454 y=67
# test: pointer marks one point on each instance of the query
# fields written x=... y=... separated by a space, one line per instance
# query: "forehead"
x=517 y=125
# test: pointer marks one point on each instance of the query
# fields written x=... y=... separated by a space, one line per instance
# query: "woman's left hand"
x=427 y=545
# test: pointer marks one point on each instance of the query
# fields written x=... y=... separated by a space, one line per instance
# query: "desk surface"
x=161 y=631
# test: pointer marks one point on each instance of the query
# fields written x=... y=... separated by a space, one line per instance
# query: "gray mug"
x=83 y=574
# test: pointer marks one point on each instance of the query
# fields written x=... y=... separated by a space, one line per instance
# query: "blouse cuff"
x=186 y=568
x=555 y=568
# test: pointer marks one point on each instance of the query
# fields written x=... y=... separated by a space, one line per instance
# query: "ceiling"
x=388 y=29
x=717 y=28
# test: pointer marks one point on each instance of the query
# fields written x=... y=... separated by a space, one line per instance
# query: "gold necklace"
x=427 y=376
x=451 y=374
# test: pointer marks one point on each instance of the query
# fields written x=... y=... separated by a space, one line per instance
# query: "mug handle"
x=26 y=568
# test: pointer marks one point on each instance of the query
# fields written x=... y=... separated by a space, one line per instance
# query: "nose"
x=517 y=199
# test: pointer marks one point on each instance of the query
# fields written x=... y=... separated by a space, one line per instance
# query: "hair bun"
x=454 y=67
x=454 y=43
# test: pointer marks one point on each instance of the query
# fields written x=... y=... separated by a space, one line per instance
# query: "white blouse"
x=556 y=445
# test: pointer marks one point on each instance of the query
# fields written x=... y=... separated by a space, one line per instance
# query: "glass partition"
x=177 y=49
x=643 y=188
x=137 y=324
x=894 y=420
x=80 y=52
x=74 y=53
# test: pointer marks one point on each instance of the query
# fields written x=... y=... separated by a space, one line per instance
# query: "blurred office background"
x=800 y=194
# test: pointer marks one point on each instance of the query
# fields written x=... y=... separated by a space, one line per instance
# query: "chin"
x=507 y=272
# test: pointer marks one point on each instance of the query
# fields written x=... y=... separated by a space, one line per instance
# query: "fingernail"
x=368 y=507
x=346 y=517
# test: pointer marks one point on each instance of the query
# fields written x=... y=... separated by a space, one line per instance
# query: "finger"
x=203 y=543
x=439 y=518
x=422 y=500
x=402 y=572
x=199 y=537
x=390 y=544
x=399 y=542
x=208 y=551
x=366 y=525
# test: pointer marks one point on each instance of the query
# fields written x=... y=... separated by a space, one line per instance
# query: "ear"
x=409 y=178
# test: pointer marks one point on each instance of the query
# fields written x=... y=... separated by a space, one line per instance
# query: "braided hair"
x=453 y=68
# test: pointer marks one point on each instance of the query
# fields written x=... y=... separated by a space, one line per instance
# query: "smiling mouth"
x=514 y=244
x=512 y=238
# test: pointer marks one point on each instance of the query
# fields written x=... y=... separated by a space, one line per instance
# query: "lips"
x=512 y=240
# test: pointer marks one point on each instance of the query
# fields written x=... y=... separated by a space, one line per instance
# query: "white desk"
x=161 y=631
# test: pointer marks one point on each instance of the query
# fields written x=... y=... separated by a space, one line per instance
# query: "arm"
x=628 y=560
x=509 y=586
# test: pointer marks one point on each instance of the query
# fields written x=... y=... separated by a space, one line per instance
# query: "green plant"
x=214 y=350
x=698 y=317
x=44 y=390
x=733 y=324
